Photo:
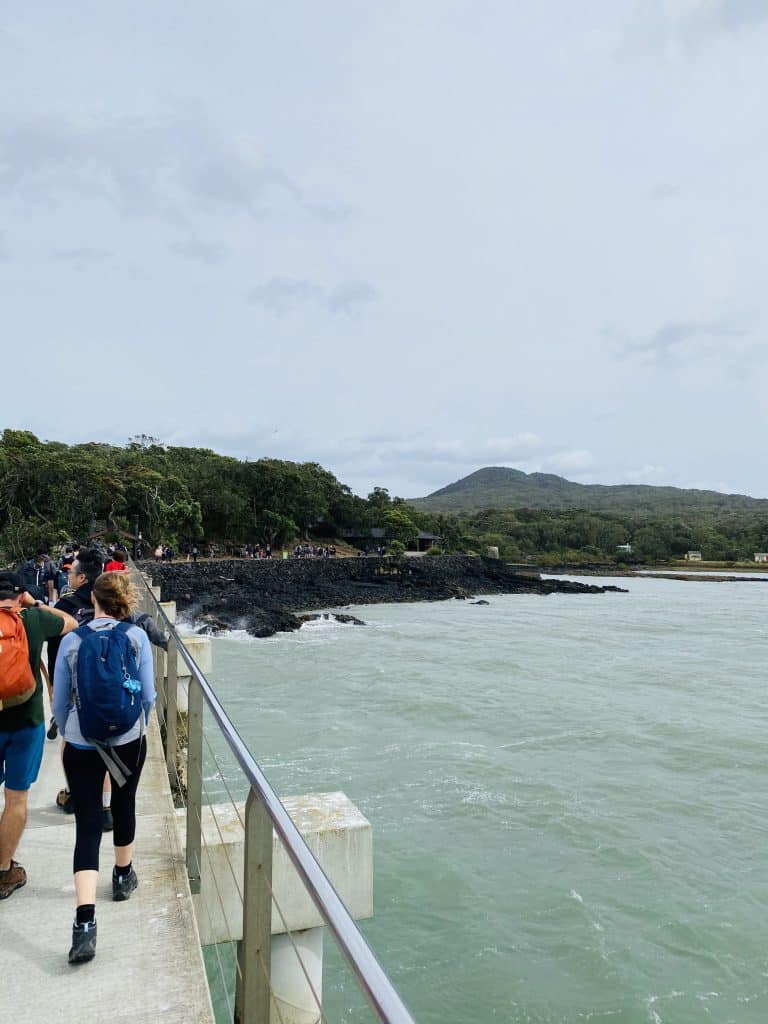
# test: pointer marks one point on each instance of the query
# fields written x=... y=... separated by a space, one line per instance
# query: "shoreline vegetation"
x=52 y=494
x=267 y=596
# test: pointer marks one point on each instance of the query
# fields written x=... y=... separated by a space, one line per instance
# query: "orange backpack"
x=17 y=683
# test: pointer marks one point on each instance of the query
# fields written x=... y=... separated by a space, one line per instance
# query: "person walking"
x=25 y=625
x=83 y=683
x=38 y=576
x=83 y=573
x=117 y=562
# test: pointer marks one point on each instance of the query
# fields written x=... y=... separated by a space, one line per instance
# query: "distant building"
x=426 y=540
x=693 y=556
x=378 y=535
x=626 y=548
x=761 y=556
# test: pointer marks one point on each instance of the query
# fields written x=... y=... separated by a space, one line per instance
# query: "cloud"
x=569 y=460
x=149 y=165
x=725 y=15
x=664 y=191
x=283 y=295
x=454 y=453
x=333 y=213
x=209 y=253
x=82 y=256
x=644 y=474
x=666 y=26
x=420 y=464
x=347 y=298
x=681 y=340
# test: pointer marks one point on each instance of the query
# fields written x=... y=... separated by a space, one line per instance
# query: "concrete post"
x=296 y=998
x=202 y=654
x=340 y=838
x=169 y=607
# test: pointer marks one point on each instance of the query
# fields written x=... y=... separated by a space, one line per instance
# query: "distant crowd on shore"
x=165 y=553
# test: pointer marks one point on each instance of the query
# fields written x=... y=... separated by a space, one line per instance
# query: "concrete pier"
x=148 y=965
x=341 y=839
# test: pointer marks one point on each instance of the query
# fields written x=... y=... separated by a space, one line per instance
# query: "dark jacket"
x=78 y=605
x=35 y=577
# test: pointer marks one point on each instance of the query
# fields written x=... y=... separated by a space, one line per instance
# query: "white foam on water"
x=325 y=622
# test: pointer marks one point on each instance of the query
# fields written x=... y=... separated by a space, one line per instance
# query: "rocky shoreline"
x=267 y=596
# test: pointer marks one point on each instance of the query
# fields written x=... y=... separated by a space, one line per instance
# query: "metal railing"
x=264 y=813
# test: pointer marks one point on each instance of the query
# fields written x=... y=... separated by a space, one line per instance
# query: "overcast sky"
x=404 y=239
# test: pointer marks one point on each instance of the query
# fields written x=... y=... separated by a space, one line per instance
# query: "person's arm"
x=156 y=636
x=146 y=675
x=62 y=686
x=69 y=623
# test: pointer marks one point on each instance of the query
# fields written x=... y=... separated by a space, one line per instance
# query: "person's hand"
x=27 y=601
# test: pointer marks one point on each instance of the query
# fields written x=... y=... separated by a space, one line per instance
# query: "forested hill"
x=51 y=493
x=500 y=487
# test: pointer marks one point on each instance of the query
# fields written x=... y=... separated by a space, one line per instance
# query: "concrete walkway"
x=148 y=965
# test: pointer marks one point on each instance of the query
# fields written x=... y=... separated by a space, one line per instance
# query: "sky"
x=405 y=240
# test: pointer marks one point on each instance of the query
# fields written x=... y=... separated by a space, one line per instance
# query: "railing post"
x=171 y=691
x=252 y=998
x=194 y=782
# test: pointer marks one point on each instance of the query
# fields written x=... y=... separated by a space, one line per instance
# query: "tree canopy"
x=52 y=492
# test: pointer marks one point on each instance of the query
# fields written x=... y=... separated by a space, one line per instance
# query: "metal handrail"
x=369 y=973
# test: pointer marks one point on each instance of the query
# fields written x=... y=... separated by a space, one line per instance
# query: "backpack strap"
x=119 y=771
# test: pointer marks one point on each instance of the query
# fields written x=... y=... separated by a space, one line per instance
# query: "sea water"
x=568 y=794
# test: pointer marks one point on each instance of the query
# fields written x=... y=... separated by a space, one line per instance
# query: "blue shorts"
x=20 y=755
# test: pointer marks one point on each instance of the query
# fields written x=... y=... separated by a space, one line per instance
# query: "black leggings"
x=85 y=774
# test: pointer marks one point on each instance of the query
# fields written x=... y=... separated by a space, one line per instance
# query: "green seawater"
x=568 y=796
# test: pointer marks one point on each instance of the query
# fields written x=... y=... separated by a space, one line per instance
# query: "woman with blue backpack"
x=103 y=691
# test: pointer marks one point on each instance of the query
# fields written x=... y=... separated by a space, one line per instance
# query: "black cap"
x=10 y=583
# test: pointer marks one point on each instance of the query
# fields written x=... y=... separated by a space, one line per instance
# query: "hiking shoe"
x=53 y=730
x=123 y=885
x=83 y=943
x=12 y=879
x=107 y=824
x=64 y=801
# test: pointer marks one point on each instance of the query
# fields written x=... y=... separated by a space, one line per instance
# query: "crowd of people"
x=314 y=551
x=101 y=688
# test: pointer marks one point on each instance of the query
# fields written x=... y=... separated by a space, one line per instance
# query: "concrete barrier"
x=341 y=839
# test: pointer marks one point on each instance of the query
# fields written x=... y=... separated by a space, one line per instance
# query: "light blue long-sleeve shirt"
x=64 y=710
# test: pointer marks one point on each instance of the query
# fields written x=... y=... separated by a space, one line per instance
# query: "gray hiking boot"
x=123 y=885
x=83 y=943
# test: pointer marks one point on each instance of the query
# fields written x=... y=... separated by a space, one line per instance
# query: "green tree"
x=400 y=526
x=379 y=498
x=273 y=528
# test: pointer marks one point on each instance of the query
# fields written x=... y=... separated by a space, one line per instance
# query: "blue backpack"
x=107 y=688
